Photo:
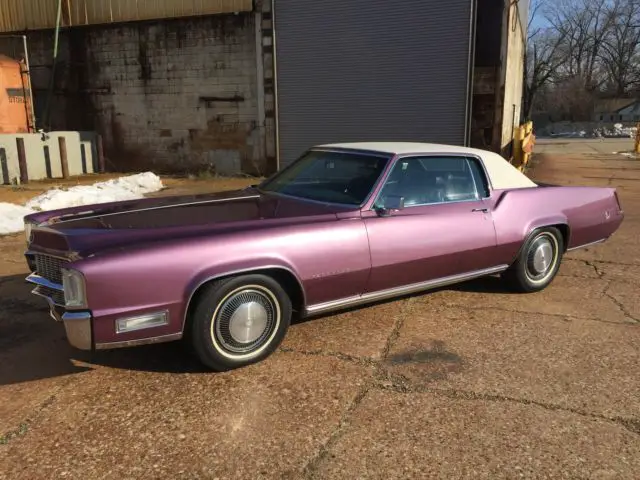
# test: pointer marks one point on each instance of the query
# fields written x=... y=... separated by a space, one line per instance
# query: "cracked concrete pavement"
x=463 y=382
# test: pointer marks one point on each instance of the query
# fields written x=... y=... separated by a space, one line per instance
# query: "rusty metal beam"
x=64 y=162
x=22 y=160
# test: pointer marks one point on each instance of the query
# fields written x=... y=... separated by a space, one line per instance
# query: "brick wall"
x=172 y=95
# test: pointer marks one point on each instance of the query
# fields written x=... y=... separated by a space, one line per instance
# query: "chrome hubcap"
x=245 y=320
x=541 y=257
x=248 y=322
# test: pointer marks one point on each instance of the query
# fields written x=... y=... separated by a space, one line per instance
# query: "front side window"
x=333 y=177
x=432 y=180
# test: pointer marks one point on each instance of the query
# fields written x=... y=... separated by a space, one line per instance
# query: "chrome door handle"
x=483 y=210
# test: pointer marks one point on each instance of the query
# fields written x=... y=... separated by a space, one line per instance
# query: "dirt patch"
x=465 y=382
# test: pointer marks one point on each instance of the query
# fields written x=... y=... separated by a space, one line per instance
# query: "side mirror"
x=391 y=203
x=394 y=202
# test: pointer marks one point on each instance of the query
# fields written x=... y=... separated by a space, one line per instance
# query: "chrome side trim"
x=38 y=280
x=586 y=245
x=142 y=341
x=398 y=291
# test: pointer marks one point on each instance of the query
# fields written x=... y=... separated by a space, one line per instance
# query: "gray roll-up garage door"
x=371 y=70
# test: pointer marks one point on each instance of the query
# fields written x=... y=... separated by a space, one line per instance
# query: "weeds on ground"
x=21 y=430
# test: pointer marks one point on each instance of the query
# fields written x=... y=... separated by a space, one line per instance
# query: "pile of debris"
x=618 y=131
x=587 y=130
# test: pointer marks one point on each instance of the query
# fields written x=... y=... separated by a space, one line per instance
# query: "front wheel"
x=239 y=321
x=538 y=261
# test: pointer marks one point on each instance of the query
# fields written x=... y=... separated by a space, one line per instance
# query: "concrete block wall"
x=43 y=155
x=170 y=95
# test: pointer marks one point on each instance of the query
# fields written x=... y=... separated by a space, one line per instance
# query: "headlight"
x=74 y=291
x=27 y=230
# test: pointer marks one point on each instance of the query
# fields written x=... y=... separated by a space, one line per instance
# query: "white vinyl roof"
x=503 y=175
x=400 y=148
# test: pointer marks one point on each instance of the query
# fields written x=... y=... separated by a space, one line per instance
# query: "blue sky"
x=539 y=20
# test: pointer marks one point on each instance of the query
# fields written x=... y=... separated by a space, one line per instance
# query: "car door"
x=443 y=229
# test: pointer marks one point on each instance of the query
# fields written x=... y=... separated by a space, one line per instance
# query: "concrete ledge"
x=42 y=153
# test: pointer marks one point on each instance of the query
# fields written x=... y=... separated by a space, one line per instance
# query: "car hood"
x=89 y=229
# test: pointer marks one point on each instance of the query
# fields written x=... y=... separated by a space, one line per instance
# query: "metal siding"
x=106 y=11
x=17 y=15
x=371 y=70
x=27 y=14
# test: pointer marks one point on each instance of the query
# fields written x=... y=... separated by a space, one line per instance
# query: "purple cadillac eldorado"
x=344 y=225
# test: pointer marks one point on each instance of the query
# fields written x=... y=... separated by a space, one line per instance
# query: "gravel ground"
x=464 y=382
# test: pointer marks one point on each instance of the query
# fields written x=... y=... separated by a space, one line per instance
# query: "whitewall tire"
x=239 y=321
x=537 y=262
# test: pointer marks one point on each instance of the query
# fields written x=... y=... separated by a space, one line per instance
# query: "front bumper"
x=78 y=325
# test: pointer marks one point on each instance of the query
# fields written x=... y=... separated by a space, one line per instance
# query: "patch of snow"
x=580 y=134
x=12 y=217
x=124 y=188
x=118 y=189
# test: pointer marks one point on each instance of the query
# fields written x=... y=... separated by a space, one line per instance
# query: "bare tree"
x=584 y=25
x=543 y=57
x=621 y=48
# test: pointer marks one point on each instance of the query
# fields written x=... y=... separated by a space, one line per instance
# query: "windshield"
x=334 y=177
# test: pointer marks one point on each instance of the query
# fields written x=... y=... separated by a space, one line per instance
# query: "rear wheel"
x=538 y=261
x=239 y=321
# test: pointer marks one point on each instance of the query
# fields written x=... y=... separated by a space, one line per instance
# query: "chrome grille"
x=56 y=295
x=49 y=267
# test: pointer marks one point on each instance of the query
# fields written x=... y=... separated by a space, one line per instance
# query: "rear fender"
x=549 y=221
x=536 y=227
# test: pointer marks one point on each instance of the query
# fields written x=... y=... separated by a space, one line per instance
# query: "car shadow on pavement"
x=33 y=346
x=173 y=357
x=493 y=284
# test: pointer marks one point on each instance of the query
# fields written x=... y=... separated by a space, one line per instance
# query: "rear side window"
x=482 y=185
x=436 y=179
